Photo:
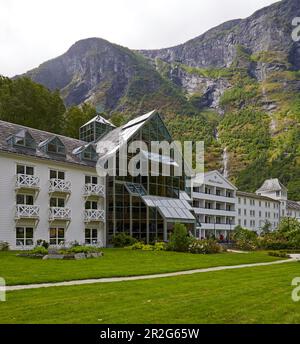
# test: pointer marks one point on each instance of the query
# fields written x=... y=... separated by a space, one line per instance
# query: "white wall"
x=75 y=174
x=265 y=207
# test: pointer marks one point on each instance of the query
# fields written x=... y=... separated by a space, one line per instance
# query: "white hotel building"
x=49 y=190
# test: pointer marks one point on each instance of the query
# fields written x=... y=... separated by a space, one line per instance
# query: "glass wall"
x=126 y=211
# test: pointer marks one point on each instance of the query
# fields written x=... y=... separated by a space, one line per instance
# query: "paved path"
x=144 y=277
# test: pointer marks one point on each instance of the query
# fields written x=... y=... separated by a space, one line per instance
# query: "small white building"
x=214 y=204
x=255 y=211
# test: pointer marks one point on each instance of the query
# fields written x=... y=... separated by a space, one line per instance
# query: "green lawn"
x=249 y=295
x=116 y=262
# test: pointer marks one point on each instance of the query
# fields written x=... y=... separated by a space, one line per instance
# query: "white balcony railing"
x=27 y=181
x=92 y=215
x=59 y=185
x=93 y=190
x=56 y=213
x=27 y=211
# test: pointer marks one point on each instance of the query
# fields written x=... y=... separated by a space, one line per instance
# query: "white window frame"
x=57 y=239
x=25 y=238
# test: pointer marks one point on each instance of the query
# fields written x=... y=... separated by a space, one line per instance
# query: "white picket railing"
x=59 y=185
x=94 y=190
x=57 y=213
x=92 y=215
x=27 y=181
x=27 y=211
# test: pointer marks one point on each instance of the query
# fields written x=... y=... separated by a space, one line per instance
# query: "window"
x=57 y=236
x=24 y=236
x=23 y=139
x=24 y=199
x=260 y=203
x=57 y=174
x=91 y=236
x=239 y=200
x=89 y=153
x=240 y=211
x=245 y=200
x=56 y=146
x=245 y=211
x=57 y=202
x=27 y=170
x=91 y=180
x=91 y=205
x=245 y=223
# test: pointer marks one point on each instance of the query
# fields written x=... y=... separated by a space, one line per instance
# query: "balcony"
x=60 y=186
x=214 y=197
x=214 y=212
x=25 y=181
x=56 y=213
x=94 y=190
x=27 y=212
x=92 y=215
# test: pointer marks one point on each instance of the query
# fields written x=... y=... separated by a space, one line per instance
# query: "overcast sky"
x=33 y=31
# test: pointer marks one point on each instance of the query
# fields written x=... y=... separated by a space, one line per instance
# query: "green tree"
x=75 y=117
x=179 y=240
x=289 y=228
x=25 y=102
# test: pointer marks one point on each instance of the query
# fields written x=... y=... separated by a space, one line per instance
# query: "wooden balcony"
x=92 y=215
x=25 y=181
x=59 y=186
x=56 y=213
x=94 y=190
x=27 y=212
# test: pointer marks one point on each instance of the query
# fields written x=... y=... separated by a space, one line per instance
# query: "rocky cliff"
x=236 y=86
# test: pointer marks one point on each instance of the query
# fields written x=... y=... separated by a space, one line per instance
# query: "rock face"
x=236 y=87
x=268 y=29
x=114 y=78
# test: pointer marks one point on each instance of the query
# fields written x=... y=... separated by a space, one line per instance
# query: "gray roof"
x=253 y=195
x=171 y=208
x=293 y=205
x=113 y=140
x=41 y=137
x=270 y=185
x=99 y=119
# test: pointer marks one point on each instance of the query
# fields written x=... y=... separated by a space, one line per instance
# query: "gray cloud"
x=34 y=31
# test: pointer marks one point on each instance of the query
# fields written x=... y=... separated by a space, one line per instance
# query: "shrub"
x=273 y=241
x=244 y=239
x=123 y=240
x=159 y=246
x=137 y=246
x=204 y=246
x=179 y=240
x=278 y=254
x=42 y=243
x=4 y=246
x=81 y=249
x=40 y=250
x=289 y=228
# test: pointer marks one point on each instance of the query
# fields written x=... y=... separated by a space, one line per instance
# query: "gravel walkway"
x=144 y=277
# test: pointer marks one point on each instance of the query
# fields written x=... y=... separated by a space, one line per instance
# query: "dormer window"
x=54 y=145
x=87 y=152
x=23 y=139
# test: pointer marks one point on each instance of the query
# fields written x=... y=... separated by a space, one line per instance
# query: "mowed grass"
x=115 y=263
x=248 y=295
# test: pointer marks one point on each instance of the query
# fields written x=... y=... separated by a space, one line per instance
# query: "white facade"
x=254 y=211
x=214 y=204
x=56 y=205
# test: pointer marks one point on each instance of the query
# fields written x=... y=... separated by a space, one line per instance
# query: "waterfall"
x=225 y=157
